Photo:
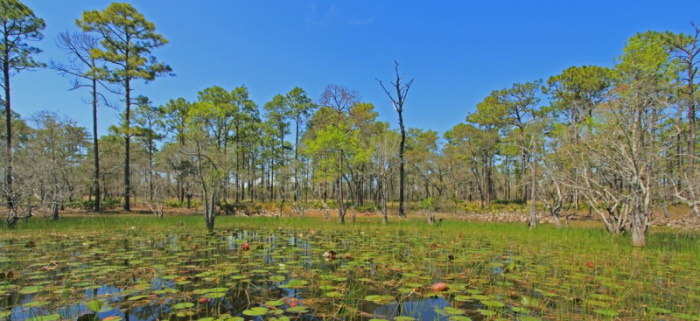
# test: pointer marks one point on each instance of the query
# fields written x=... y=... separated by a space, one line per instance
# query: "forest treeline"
x=619 y=141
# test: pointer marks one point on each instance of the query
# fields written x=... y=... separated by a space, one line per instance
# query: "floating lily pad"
x=453 y=311
x=295 y=284
x=298 y=309
x=334 y=294
x=31 y=289
x=255 y=311
x=215 y=295
x=183 y=305
x=380 y=299
x=50 y=317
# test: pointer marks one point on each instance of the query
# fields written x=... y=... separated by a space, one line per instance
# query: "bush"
x=318 y=204
x=182 y=204
x=368 y=208
x=245 y=208
x=88 y=205
x=111 y=202
x=497 y=206
x=428 y=204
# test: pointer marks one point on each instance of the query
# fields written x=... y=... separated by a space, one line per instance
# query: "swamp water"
x=275 y=274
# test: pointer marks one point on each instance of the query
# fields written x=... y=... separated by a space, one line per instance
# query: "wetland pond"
x=365 y=274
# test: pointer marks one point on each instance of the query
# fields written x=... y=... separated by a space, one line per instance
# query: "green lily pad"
x=50 y=317
x=274 y=303
x=215 y=295
x=31 y=289
x=255 y=311
x=183 y=305
x=380 y=299
x=493 y=304
x=529 y=301
x=298 y=309
x=94 y=305
x=295 y=284
x=486 y=313
x=334 y=294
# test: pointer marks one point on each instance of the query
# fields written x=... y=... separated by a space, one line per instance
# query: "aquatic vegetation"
x=110 y=268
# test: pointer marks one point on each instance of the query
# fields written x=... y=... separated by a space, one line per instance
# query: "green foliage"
x=428 y=204
x=20 y=25
x=183 y=203
x=244 y=208
x=88 y=205
x=497 y=206
x=128 y=39
x=577 y=91
x=175 y=122
x=366 y=208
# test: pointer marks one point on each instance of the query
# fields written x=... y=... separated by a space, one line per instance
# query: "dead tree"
x=401 y=87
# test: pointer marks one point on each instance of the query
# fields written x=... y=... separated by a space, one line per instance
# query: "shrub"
x=366 y=208
x=428 y=204
x=111 y=202
x=182 y=204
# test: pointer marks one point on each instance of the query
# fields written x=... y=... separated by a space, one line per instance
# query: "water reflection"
x=425 y=309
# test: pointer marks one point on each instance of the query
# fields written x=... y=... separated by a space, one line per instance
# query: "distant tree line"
x=619 y=142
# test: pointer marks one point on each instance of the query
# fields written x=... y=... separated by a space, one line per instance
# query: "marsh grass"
x=142 y=267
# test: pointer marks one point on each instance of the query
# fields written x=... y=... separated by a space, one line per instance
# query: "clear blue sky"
x=457 y=50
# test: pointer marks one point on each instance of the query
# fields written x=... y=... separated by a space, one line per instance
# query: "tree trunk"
x=8 y=125
x=95 y=145
x=489 y=181
x=523 y=181
x=533 y=199
x=151 y=149
x=210 y=210
x=402 y=171
x=691 y=116
x=341 y=206
x=639 y=229
x=54 y=211
x=127 y=143
x=385 y=216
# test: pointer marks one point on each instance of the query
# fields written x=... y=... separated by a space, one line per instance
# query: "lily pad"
x=334 y=294
x=255 y=311
x=183 y=305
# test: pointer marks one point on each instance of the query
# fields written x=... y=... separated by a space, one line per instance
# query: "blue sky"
x=457 y=50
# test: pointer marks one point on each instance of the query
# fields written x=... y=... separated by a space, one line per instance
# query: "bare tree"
x=401 y=87
x=158 y=190
x=78 y=46
x=384 y=157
